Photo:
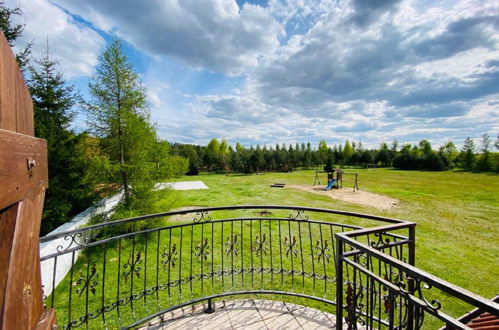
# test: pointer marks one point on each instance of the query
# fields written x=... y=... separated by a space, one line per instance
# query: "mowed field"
x=457 y=236
x=457 y=213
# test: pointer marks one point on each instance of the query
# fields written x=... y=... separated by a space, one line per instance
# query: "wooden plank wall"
x=16 y=107
x=23 y=180
x=16 y=150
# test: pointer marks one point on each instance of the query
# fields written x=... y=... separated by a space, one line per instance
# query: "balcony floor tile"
x=245 y=314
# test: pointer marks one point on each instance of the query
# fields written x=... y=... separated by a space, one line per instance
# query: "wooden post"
x=317 y=180
x=23 y=180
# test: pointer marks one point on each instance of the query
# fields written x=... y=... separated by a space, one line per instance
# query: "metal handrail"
x=218 y=208
x=476 y=300
x=276 y=255
x=406 y=284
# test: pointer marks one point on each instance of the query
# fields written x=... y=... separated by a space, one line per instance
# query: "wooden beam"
x=47 y=320
x=16 y=107
x=24 y=158
x=23 y=301
x=23 y=180
x=7 y=225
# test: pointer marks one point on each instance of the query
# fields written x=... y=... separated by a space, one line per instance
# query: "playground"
x=344 y=186
x=359 y=197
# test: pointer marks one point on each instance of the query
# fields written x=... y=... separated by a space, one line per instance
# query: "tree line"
x=219 y=157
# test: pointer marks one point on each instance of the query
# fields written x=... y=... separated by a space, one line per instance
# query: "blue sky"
x=287 y=71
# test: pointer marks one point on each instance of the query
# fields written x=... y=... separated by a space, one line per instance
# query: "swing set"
x=338 y=182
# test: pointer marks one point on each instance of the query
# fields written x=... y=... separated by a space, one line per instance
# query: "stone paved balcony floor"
x=245 y=314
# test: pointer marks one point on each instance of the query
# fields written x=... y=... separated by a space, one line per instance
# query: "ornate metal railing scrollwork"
x=354 y=305
x=201 y=216
x=260 y=244
x=382 y=290
x=132 y=266
x=322 y=250
x=89 y=281
x=381 y=242
x=232 y=245
x=201 y=250
x=298 y=215
x=143 y=271
x=169 y=257
x=417 y=290
x=73 y=242
x=290 y=246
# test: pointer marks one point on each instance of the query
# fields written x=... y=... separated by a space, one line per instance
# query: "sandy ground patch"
x=184 y=217
x=360 y=197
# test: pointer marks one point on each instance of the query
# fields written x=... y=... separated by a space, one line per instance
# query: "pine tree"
x=322 y=150
x=347 y=152
x=484 y=162
x=258 y=159
x=189 y=151
x=237 y=159
x=13 y=31
x=119 y=116
x=69 y=192
x=467 y=155
x=53 y=99
x=383 y=155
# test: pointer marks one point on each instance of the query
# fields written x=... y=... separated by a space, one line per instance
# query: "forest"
x=220 y=157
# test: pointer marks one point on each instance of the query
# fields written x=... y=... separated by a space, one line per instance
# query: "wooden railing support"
x=23 y=181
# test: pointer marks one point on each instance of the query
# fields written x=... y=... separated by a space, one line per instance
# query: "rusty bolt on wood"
x=31 y=163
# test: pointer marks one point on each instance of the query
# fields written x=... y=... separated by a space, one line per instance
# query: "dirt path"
x=364 y=198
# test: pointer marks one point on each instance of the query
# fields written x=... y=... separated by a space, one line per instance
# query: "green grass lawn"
x=456 y=215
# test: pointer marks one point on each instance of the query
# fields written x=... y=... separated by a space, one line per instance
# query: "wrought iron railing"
x=380 y=291
x=123 y=273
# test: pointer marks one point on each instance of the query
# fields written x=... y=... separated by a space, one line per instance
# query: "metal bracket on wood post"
x=31 y=163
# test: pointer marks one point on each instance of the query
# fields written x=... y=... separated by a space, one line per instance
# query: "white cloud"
x=464 y=66
x=155 y=90
x=389 y=81
x=311 y=69
x=76 y=45
x=209 y=34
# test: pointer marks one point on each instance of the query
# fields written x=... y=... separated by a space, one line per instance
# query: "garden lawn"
x=457 y=233
x=457 y=213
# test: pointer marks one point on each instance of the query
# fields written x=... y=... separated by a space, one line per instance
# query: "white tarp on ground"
x=64 y=261
x=185 y=185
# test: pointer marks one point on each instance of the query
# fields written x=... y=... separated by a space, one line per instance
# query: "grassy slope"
x=456 y=213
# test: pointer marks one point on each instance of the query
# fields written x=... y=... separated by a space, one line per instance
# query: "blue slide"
x=330 y=185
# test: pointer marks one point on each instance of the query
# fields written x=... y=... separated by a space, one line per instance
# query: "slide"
x=330 y=185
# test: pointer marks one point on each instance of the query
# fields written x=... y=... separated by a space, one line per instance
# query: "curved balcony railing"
x=123 y=273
